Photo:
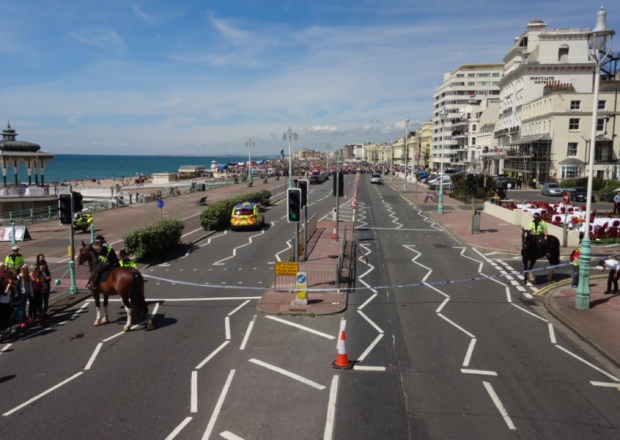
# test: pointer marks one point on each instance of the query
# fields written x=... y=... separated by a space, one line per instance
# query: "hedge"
x=154 y=240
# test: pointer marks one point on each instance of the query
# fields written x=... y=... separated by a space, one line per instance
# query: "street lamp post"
x=328 y=149
x=599 y=46
x=290 y=135
x=442 y=115
x=406 y=136
x=391 y=161
x=249 y=144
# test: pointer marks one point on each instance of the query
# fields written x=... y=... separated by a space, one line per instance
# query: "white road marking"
x=370 y=347
x=194 y=392
x=230 y=436
x=301 y=327
x=227 y=327
x=191 y=232
x=588 y=364
x=528 y=312
x=328 y=433
x=551 y=333
x=218 y=406
x=605 y=384
x=368 y=368
x=470 y=351
x=247 y=334
x=179 y=428
x=297 y=377
x=370 y=321
x=208 y=358
x=17 y=408
x=499 y=406
x=93 y=356
x=367 y=301
x=481 y=372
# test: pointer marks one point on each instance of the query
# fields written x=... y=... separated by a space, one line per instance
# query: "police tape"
x=360 y=289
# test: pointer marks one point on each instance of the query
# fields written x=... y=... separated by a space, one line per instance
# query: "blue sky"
x=202 y=77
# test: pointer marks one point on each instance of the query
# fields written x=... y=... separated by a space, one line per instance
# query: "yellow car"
x=246 y=215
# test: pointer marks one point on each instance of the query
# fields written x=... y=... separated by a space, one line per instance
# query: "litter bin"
x=475 y=220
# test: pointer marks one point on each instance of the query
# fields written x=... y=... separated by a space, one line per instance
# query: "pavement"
x=599 y=325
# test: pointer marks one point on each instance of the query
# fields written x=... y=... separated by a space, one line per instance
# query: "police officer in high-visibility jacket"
x=125 y=260
x=107 y=259
x=538 y=227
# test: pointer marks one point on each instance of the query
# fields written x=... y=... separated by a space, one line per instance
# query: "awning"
x=531 y=139
x=571 y=162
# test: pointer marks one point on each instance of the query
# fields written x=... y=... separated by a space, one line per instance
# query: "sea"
x=68 y=167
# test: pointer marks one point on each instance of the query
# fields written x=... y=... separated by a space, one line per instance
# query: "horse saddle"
x=105 y=275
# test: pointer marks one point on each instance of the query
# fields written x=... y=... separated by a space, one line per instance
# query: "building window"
x=573 y=124
x=600 y=124
x=601 y=105
x=563 y=54
x=570 y=172
x=575 y=105
x=572 y=149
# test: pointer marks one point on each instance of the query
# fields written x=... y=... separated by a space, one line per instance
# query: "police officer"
x=14 y=260
x=125 y=260
x=107 y=259
x=538 y=227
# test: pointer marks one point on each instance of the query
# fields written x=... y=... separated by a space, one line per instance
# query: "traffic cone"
x=353 y=203
x=345 y=197
x=342 y=360
x=335 y=233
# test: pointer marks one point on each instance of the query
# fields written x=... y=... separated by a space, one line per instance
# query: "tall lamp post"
x=290 y=135
x=249 y=144
x=442 y=115
x=391 y=161
x=328 y=149
x=599 y=46
x=406 y=136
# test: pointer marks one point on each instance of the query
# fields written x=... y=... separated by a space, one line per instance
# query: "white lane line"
x=191 y=232
x=328 y=433
x=113 y=336
x=588 y=363
x=5 y=348
x=179 y=428
x=470 y=351
x=367 y=301
x=194 y=392
x=370 y=321
x=230 y=436
x=528 y=312
x=456 y=325
x=605 y=384
x=17 y=408
x=482 y=372
x=551 y=333
x=239 y=308
x=499 y=406
x=93 y=356
x=368 y=368
x=301 y=327
x=218 y=406
x=508 y=296
x=442 y=305
x=208 y=358
x=370 y=347
x=247 y=333
x=297 y=377
x=227 y=327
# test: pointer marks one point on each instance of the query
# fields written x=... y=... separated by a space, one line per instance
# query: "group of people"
x=24 y=298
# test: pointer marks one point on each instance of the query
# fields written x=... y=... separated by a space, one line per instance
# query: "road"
x=445 y=344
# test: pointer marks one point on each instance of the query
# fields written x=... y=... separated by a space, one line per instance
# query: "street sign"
x=286 y=268
x=566 y=197
x=301 y=281
x=160 y=203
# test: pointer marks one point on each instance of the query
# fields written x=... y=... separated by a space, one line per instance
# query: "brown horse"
x=531 y=251
x=126 y=282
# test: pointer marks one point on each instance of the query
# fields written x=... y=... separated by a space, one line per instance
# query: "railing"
x=317 y=279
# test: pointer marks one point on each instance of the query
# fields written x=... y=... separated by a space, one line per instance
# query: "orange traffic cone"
x=353 y=204
x=342 y=360
x=345 y=197
x=335 y=233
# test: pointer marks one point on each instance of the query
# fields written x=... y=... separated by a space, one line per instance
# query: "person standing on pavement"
x=47 y=279
x=617 y=204
x=614 y=273
x=574 y=258
x=14 y=260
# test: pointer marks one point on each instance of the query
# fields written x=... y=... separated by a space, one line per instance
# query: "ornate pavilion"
x=12 y=152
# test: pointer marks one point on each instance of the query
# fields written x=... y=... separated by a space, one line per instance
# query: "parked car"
x=447 y=182
x=503 y=182
x=580 y=195
x=376 y=178
x=551 y=189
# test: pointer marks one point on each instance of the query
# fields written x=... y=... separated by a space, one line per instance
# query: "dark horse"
x=531 y=250
x=126 y=282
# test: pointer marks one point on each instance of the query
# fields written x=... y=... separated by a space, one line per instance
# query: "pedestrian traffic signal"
x=294 y=205
x=303 y=186
x=472 y=183
x=338 y=184
x=64 y=209
x=77 y=201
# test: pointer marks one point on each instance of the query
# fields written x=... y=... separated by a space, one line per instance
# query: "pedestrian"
x=5 y=304
x=574 y=258
x=614 y=273
x=38 y=287
x=617 y=203
x=14 y=260
x=24 y=289
x=47 y=279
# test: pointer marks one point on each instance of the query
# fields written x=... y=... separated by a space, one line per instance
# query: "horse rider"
x=125 y=261
x=538 y=227
x=107 y=260
x=14 y=260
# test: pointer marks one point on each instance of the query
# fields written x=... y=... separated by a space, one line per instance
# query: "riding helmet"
x=100 y=238
x=537 y=214
x=123 y=253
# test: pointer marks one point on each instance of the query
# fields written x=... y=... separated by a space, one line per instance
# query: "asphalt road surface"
x=446 y=344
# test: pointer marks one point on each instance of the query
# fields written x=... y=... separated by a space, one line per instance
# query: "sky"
x=190 y=77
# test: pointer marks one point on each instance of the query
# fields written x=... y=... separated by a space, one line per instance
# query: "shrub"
x=153 y=240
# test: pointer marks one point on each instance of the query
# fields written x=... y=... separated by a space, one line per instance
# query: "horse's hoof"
x=104 y=321
x=150 y=326
x=96 y=323
x=126 y=329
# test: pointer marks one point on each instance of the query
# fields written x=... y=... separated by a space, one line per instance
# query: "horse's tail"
x=137 y=296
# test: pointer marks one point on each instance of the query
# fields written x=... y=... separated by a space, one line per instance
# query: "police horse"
x=126 y=282
x=532 y=250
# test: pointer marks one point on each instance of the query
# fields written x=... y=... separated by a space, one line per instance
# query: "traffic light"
x=64 y=209
x=294 y=205
x=472 y=183
x=338 y=184
x=303 y=186
x=77 y=201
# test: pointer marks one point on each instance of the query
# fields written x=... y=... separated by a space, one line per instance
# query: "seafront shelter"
x=12 y=152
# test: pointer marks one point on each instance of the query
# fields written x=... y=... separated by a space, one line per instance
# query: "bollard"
x=475 y=221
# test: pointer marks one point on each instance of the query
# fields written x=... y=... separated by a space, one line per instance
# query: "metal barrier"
x=317 y=278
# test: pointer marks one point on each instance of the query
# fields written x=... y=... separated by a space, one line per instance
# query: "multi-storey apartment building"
x=457 y=105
